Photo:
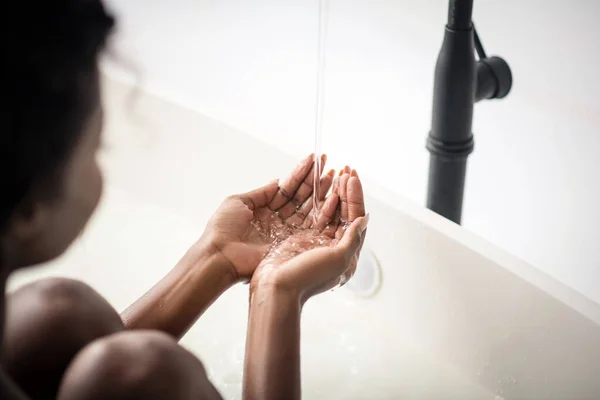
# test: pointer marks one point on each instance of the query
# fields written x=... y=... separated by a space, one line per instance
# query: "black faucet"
x=460 y=82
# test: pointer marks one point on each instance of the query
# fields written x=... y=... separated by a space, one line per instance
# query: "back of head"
x=50 y=51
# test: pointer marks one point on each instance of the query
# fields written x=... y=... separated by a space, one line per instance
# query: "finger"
x=260 y=197
x=304 y=191
x=363 y=236
x=354 y=261
x=309 y=221
x=325 y=185
x=328 y=211
x=302 y=213
x=330 y=229
x=336 y=180
x=341 y=227
x=346 y=276
x=344 y=196
x=355 y=197
x=288 y=187
x=352 y=239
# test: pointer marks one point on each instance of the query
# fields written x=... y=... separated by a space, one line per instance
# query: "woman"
x=61 y=339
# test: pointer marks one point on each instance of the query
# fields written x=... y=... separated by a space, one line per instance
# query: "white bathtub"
x=455 y=318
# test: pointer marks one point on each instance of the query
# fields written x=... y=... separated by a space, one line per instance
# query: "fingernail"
x=347 y=169
x=331 y=172
x=365 y=222
x=359 y=232
x=354 y=173
x=341 y=172
x=323 y=158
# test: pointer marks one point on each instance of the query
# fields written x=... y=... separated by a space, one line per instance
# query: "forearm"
x=272 y=364
x=175 y=303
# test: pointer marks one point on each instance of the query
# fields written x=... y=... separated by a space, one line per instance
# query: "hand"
x=244 y=227
x=320 y=254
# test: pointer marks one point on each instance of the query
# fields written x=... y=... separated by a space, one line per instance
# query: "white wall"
x=532 y=185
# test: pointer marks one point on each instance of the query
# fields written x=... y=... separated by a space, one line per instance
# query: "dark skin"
x=308 y=262
x=62 y=340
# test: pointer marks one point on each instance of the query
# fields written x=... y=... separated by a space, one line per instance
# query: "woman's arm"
x=284 y=281
x=229 y=252
x=184 y=294
x=272 y=363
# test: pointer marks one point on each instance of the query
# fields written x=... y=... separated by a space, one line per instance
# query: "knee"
x=135 y=365
x=66 y=308
x=47 y=323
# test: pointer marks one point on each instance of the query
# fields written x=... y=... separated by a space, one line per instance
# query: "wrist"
x=275 y=291
x=205 y=255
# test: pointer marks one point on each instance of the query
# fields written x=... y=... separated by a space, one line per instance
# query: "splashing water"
x=288 y=241
x=320 y=103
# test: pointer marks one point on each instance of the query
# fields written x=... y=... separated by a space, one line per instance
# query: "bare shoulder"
x=136 y=365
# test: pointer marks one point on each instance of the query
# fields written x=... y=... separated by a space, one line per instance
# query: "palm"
x=342 y=207
x=246 y=226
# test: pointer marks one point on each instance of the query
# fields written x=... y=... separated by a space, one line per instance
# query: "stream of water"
x=320 y=101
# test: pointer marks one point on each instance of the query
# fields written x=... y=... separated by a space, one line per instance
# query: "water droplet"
x=343 y=280
x=238 y=355
x=232 y=378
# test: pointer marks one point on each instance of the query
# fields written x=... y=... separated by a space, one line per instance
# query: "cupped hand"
x=323 y=253
x=245 y=226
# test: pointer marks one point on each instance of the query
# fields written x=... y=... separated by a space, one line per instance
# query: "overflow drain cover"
x=367 y=278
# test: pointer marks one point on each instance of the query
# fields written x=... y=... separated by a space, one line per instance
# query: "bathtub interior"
x=454 y=317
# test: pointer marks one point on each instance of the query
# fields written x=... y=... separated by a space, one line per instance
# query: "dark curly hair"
x=49 y=88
